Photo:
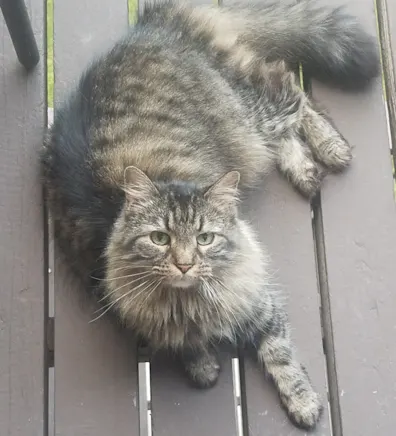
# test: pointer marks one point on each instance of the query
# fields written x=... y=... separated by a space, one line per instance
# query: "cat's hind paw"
x=203 y=372
x=334 y=153
x=306 y=178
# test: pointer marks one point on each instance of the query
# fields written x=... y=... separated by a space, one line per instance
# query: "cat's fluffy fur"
x=156 y=137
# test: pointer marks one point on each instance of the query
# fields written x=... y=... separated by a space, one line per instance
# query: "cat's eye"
x=160 y=238
x=205 y=238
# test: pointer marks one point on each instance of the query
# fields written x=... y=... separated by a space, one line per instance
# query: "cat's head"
x=174 y=234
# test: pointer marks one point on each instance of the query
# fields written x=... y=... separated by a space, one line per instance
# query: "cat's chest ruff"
x=177 y=321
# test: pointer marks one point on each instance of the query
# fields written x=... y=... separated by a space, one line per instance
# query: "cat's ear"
x=137 y=185
x=224 y=192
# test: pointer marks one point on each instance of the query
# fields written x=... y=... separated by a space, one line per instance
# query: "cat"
x=146 y=159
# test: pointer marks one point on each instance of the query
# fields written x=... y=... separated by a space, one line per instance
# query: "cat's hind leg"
x=327 y=144
x=201 y=365
x=314 y=148
x=307 y=144
x=282 y=103
x=297 y=163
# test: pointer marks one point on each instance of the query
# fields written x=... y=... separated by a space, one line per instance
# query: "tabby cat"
x=146 y=158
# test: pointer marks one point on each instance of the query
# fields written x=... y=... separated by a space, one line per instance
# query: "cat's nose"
x=183 y=267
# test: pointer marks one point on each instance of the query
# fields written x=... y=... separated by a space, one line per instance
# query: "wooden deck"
x=60 y=374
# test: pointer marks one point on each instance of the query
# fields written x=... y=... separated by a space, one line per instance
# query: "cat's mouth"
x=183 y=281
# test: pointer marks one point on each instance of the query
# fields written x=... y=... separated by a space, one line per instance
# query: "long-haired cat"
x=145 y=159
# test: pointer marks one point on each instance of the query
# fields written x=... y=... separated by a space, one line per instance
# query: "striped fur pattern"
x=146 y=159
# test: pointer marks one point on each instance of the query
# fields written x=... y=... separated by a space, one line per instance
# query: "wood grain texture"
x=95 y=364
x=22 y=121
x=359 y=220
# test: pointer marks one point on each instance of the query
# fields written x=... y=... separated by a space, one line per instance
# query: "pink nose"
x=183 y=267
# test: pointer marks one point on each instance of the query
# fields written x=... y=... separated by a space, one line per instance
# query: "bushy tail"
x=331 y=44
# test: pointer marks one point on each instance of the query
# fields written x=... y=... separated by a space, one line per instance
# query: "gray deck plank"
x=283 y=220
x=95 y=364
x=177 y=408
x=22 y=122
x=359 y=221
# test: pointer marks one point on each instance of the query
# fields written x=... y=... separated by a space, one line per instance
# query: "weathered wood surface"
x=359 y=225
x=22 y=122
x=95 y=364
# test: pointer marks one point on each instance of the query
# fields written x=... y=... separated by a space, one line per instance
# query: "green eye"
x=205 y=238
x=160 y=238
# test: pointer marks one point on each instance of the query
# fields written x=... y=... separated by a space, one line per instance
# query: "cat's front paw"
x=304 y=409
x=204 y=371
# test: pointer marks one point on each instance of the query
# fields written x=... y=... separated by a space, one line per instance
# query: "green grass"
x=132 y=11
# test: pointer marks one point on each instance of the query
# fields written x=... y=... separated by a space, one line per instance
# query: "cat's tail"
x=331 y=44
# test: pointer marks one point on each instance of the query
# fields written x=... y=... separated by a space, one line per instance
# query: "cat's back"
x=153 y=102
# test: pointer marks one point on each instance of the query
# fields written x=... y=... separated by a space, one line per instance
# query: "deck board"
x=22 y=122
x=177 y=408
x=283 y=220
x=359 y=220
x=95 y=364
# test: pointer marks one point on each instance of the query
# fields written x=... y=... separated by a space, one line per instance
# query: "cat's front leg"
x=201 y=365
x=274 y=350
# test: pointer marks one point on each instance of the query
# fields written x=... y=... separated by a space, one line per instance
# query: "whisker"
x=149 y=294
x=113 y=303
x=139 y=294
x=125 y=266
x=123 y=286
x=102 y=314
x=123 y=277
x=132 y=290
x=129 y=265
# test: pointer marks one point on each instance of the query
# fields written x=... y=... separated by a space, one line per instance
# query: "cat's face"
x=176 y=234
